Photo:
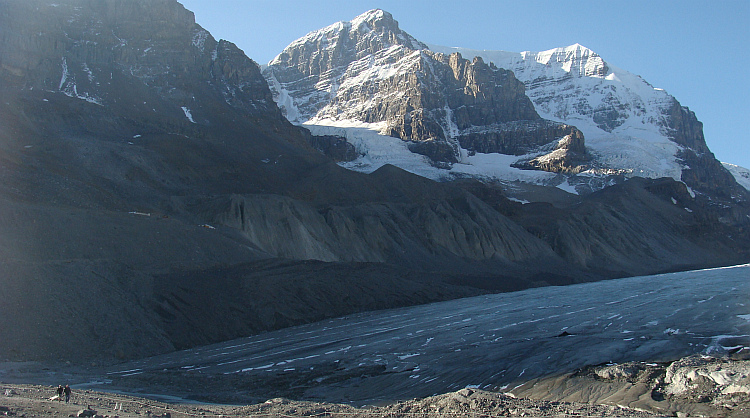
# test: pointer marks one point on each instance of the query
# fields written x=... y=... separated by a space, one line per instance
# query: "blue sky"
x=698 y=51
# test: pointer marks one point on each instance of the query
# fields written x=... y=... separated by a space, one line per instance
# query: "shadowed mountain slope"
x=153 y=197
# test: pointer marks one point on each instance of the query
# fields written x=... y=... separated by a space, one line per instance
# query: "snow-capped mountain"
x=434 y=112
x=626 y=121
x=392 y=96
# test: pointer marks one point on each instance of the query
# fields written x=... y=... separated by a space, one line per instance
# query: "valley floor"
x=666 y=345
x=695 y=386
x=36 y=401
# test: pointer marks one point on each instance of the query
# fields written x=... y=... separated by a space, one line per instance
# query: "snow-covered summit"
x=575 y=59
x=369 y=32
x=367 y=20
x=314 y=71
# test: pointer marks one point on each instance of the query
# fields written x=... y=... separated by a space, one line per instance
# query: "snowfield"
x=376 y=150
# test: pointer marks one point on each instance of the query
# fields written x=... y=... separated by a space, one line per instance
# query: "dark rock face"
x=633 y=226
x=334 y=147
x=484 y=94
x=703 y=171
x=685 y=129
x=519 y=137
x=465 y=94
x=91 y=50
x=368 y=70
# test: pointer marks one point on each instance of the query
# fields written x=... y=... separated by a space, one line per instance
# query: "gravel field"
x=38 y=401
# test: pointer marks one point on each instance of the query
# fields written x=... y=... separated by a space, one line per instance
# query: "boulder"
x=86 y=413
x=620 y=371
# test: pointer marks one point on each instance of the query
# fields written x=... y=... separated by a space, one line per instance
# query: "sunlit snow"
x=376 y=150
x=741 y=174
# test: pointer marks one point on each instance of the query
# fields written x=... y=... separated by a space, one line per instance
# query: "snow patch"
x=741 y=174
x=88 y=72
x=64 y=77
x=567 y=187
x=376 y=150
x=199 y=39
x=188 y=114
x=69 y=88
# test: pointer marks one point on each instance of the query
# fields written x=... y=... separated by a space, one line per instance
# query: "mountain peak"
x=340 y=42
x=372 y=17
x=575 y=59
x=376 y=20
x=578 y=47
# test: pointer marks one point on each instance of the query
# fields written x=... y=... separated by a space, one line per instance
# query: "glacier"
x=490 y=341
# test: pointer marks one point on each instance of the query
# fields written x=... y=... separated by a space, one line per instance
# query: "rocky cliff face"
x=89 y=49
x=370 y=71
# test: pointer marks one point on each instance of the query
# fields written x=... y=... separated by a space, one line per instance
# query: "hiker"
x=67 y=393
x=59 y=392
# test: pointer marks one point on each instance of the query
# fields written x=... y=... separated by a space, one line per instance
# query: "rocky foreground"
x=697 y=385
x=38 y=401
x=693 y=386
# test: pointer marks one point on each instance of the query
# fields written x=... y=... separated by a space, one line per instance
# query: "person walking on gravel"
x=67 y=393
x=59 y=393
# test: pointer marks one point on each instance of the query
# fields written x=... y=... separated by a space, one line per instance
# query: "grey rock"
x=91 y=50
x=568 y=155
x=619 y=371
x=334 y=147
x=86 y=413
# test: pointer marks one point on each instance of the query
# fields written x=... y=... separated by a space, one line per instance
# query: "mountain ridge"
x=631 y=128
x=429 y=100
x=149 y=187
x=650 y=122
